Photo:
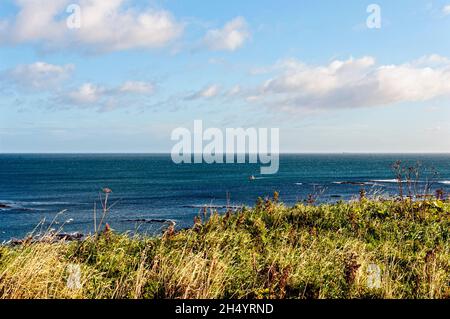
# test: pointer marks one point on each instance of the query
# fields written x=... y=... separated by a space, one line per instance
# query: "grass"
x=269 y=251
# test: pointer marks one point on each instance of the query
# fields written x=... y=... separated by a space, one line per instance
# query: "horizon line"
x=168 y=153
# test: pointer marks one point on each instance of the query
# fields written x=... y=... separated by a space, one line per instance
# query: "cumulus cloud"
x=353 y=83
x=105 y=25
x=39 y=75
x=230 y=38
x=105 y=98
x=432 y=60
x=87 y=93
x=35 y=21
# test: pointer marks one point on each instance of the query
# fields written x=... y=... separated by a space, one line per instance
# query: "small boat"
x=252 y=178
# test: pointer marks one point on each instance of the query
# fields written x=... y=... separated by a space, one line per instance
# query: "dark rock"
x=69 y=237
x=351 y=183
x=149 y=221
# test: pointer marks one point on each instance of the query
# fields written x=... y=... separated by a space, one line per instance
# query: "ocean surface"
x=145 y=188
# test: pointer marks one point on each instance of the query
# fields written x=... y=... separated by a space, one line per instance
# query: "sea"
x=60 y=192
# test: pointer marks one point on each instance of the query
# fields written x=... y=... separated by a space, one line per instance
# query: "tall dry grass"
x=269 y=251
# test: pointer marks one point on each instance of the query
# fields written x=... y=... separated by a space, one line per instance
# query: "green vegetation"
x=269 y=251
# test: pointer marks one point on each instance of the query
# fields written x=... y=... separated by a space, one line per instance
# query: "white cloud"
x=39 y=75
x=353 y=83
x=446 y=9
x=35 y=22
x=105 y=98
x=432 y=60
x=87 y=93
x=105 y=25
x=211 y=91
x=235 y=90
x=207 y=93
x=137 y=87
x=230 y=38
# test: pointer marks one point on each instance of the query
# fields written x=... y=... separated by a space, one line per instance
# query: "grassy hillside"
x=360 y=249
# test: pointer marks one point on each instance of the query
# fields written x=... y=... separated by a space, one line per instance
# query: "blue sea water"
x=145 y=187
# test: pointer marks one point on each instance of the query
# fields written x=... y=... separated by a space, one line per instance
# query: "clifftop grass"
x=360 y=249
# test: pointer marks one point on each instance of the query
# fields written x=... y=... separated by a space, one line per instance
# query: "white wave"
x=386 y=181
x=355 y=183
x=44 y=203
x=299 y=184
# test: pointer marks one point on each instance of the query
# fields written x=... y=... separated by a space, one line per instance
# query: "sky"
x=120 y=75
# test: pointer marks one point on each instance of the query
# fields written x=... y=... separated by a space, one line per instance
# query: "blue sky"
x=135 y=70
